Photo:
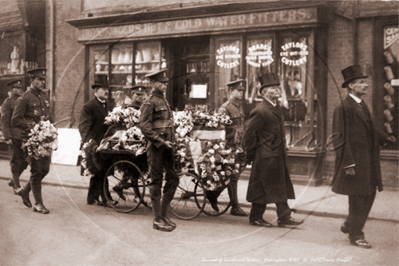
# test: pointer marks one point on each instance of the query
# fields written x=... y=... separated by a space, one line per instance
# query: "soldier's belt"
x=162 y=124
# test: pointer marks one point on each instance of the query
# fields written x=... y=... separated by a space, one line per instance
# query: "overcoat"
x=91 y=123
x=7 y=110
x=264 y=143
x=355 y=143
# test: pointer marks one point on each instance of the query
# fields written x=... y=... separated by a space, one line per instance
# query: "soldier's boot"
x=16 y=185
x=235 y=207
x=159 y=223
x=165 y=206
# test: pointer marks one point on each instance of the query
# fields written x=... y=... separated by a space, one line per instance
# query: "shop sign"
x=294 y=53
x=391 y=35
x=226 y=54
x=259 y=55
x=202 y=24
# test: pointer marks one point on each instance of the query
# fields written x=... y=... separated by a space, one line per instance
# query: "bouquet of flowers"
x=217 y=164
x=183 y=158
x=211 y=119
x=89 y=163
x=125 y=116
x=42 y=140
x=183 y=123
x=131 y=139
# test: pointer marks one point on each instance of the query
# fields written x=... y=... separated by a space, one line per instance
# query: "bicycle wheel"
x=217 y=201
x=188 y=202
x=124 y=183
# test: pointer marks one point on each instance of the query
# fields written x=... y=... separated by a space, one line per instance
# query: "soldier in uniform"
x=12 y=135
x=33 y=107
x=156 y=123
x=234 y=133
x=138 y=93
x=91 y=127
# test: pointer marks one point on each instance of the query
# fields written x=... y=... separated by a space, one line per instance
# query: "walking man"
x=156 y=123
x=264 y=144
x=357 y=163
x=234 y=134
x=13 y=135
x=91 y=127
x=33 y=107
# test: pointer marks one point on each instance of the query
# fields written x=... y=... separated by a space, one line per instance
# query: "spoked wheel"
x=189 y=199
x=217 y=201
x=124 y=183
x=147 y=197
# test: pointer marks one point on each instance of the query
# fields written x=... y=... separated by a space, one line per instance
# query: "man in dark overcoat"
x=13 y=135
x=264 y=144
x=357 y=163
x=32 y=108
x=157 y=125
x=91 y=127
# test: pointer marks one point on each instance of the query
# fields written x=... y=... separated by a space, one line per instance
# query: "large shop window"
x=228 y=58
x=126 y=65
x=391 y=85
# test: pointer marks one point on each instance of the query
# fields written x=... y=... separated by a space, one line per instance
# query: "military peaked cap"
x=15 y=84
x=236 y=85
x=138 y=89
x=267 y=80
x=160 y=76
x=37 y=73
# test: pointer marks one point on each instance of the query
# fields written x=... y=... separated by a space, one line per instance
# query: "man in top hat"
x=357 y=163
x=234 y=133
x=264 y=144
x=33 y=107
x=13 y=135
x=156 y=123
x=92 y=127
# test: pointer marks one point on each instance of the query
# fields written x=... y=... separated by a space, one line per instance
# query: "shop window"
x=228 y=60
x=98 y=63
x=298 y=98
x=391 y=84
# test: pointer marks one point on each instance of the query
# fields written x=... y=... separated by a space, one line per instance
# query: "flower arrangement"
x=211 y=119
x=183 y=123
x=183 y=158
x=89 y=162
x=42 y=140
x=218 y=163
x=126 y=116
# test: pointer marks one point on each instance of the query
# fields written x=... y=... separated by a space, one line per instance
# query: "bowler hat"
x=236 y=85
x=100 y=81
x=350 y=73
x=37 y=73
x=160 y=76
x=15 y=84
x=267 y=80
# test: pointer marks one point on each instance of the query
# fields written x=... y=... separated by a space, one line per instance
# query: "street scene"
x=199 y=132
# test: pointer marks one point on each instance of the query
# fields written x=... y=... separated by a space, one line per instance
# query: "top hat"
x=160 y=76
x=267 y=80
x=37 y=73
x=100 y=81
x=236 y=85
x=15 y=84
x=138 y=89
x=350 y=73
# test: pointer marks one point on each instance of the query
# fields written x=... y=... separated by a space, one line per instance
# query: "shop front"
x=203 y=53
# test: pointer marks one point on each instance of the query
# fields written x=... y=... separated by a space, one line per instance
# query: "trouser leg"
x=283 y=211
x=257 y=211
x=39 y=169
x=18 y=161
x=93 y=193
x=359 y=209
x=232 y=189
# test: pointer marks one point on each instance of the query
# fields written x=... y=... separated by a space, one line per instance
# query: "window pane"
x=98 y=63
x=228 y=67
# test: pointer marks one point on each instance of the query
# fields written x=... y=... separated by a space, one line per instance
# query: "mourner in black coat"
x=264 y=144
x=91 y=126
x=357 y=163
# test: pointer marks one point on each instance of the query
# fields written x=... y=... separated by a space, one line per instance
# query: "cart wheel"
x=217 y=201
x=125 y=184
x=189 y=199
x=147 y=197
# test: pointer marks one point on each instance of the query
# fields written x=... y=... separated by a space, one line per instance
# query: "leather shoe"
x=11 y=183
x=361 y=243
x=344 y=229
x=40 y=208
x=167 y=220
x=25 y=197
x=237 y=211
x=289 y=222
x=110 y=202
x=119 y=191
x=94 y=202
x=261 y=222
x=162 y=225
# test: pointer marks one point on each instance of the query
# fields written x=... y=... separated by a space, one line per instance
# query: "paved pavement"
x=310 y=200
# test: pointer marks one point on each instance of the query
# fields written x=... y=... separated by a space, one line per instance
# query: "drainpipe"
x=51 y=59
